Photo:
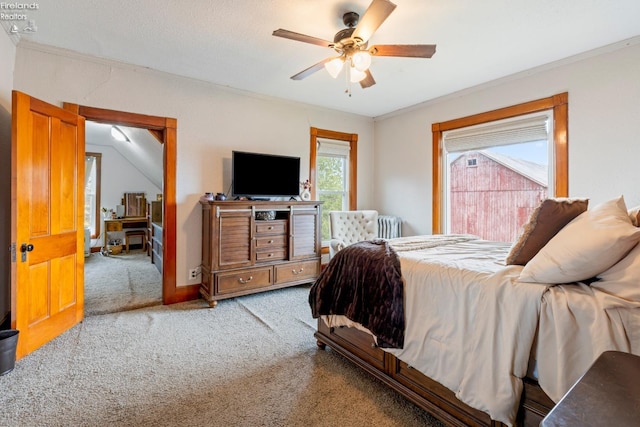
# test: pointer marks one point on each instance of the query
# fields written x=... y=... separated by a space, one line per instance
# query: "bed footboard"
x=360 y=348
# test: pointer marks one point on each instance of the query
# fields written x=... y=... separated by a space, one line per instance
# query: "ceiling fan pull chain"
x=346 y=81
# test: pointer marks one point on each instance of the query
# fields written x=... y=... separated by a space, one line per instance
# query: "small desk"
x=119 y=224
x=608 y=394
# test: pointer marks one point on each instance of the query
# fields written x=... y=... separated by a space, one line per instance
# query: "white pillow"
x=584 y=248
x=623 y=279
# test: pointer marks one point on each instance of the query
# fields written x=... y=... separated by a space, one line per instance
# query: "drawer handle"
x=241 y=280
x=270 y=228
x=270 y=241
x=269 y=256
x=298 y=271
x=374 y=345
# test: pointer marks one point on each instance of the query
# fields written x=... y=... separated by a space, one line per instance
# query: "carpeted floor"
x=251 y=361
x=120 y=282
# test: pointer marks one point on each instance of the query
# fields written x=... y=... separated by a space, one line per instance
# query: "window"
x=332 y=172
x=510 y=173
x=519 y=157
x=92 y=193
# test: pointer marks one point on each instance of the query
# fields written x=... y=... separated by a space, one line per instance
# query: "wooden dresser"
x=154 y=233
x=245 y=250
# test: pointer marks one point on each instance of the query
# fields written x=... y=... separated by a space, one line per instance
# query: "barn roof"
x=534 y=171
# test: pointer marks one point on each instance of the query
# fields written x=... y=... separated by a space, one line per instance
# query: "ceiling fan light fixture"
x=361 y=60
x=356 y=75
x=334 y=66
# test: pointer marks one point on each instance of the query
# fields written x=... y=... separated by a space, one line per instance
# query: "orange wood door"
x=47 y=221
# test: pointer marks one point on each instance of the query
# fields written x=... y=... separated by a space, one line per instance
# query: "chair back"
x=353 y=226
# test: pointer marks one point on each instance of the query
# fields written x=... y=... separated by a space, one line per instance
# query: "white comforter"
x=471 y=325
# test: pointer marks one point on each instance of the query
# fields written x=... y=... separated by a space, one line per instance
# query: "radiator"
x=389 y=226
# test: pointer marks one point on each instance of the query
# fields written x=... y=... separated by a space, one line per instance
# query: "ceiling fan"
x=351 y=45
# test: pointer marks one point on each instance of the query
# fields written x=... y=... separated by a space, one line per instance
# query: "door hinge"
x=12 y=249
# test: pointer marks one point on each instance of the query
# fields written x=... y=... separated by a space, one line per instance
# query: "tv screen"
x=264 y=175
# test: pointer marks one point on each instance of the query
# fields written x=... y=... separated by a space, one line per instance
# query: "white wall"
x=212 y=121
x=604 y=131
x=7 y=62
x=118 y=176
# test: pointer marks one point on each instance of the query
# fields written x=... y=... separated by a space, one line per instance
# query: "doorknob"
x=24 y=248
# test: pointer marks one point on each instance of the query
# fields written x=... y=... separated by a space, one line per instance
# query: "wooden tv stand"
x=242 y=254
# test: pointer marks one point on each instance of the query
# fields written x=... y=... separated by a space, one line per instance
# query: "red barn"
x=492 y=195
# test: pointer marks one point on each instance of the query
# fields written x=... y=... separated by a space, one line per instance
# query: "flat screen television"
x=257 y=175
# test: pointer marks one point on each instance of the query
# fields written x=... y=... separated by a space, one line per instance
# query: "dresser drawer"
x=271 y=255
x=271 y=227
x=295 y=271
x=243 y=280
x=113 y=226
x=271 y=242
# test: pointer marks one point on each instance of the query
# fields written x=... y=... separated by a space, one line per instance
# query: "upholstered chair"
x=349 y=227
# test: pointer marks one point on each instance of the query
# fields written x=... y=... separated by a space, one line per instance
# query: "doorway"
x=121 y=271
x=164 y=129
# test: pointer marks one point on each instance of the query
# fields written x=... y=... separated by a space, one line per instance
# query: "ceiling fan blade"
x=306 y=73
x=301 y=37
x=375 y=15
x=368 y=81
x=406 y=50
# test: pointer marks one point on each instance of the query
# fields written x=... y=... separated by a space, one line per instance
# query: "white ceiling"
x=142 y=150
x=229 y=42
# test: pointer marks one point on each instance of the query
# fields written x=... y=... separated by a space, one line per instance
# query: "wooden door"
x=305 y=232
x=235 y=237
x=47 y=221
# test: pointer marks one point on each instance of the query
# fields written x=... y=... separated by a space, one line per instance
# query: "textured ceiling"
x=229 y=42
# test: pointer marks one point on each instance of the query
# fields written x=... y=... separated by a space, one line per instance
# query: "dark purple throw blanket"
x=363 y=282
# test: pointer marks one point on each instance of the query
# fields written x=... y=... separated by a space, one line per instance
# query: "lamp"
x=356 y=75
x=334 y=66
x=361 y=60
x=118 y=134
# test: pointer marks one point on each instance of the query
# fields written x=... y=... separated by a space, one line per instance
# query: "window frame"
x=98 y=184
x=352 y=139
x=558 y=103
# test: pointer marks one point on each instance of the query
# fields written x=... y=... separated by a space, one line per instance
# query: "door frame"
x=165 y=131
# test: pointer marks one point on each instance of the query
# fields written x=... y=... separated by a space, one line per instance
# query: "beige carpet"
x=251 y=361
x=120 y=283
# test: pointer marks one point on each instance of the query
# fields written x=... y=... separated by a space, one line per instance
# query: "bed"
x=488 y=333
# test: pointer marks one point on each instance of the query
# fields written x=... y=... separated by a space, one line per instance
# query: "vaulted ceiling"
x=230 y=42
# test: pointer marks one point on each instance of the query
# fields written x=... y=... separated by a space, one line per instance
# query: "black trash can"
x=8 y=344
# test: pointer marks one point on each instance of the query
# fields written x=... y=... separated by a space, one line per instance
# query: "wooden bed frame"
x=360 y=348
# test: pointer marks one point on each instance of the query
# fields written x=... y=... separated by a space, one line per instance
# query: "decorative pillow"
x=587 y=246
x=545 y=221
x=634 y=215
x=623 y=279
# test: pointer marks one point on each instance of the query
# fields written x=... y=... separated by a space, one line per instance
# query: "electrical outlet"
x=194 y=272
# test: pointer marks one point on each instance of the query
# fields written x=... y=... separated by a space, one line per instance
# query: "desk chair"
x=135 y=233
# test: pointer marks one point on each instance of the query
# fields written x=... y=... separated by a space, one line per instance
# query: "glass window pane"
x=332 y=202
x=492 y=192
x=90 y=195
x=331 y=189
x=331 y=173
